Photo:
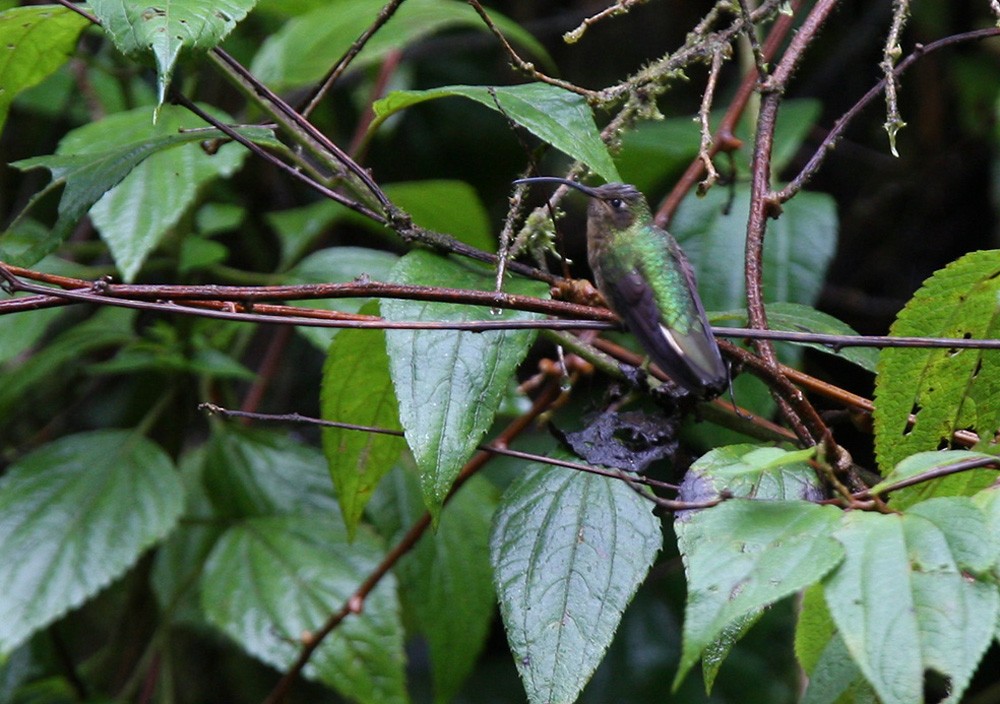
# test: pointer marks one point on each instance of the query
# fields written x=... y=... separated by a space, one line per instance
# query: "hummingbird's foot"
x=637 y=377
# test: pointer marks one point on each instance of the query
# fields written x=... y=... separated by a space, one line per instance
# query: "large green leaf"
x=445 y=582
x=337 y=265
x=554 y=115
x=134 y=216
x=36 y=41
x=745 y=471
x=356 y=388
x=743 y=555
x=271 y=579
x=910 y=595
x=798 y=247
x=74 y=515
x=165 y=30
x=302 y=51
x=945 y=389
x=751 y=471
x=569 y=550
x=263 y=473
x=89 y=173
x=449 y=383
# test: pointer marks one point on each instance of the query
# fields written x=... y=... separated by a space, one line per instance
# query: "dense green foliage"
x=178 y=242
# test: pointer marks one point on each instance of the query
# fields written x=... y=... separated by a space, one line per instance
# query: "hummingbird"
x=648 y=282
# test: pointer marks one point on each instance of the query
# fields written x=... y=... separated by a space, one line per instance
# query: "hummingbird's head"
x=616 y=206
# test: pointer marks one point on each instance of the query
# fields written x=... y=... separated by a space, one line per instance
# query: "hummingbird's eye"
x=616 y=203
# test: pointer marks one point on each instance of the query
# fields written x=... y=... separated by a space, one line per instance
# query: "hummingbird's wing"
x=675 y=334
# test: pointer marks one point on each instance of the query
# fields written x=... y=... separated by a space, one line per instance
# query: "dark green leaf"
x=164 y=30
x=306 y=47
x=89 y=174
x=451 y=207
x=741 y=556
x=449 y=383
x=945 y=389
x=260 y=473
x=569 y=550
x=446 y=584
x=75 y=514
x=554 y=115
x=356 y=388
x=34 y=42
x=797 y=251
x=271 y=579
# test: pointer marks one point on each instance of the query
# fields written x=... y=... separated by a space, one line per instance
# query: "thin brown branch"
x=486 y=447
x=384 y=15
x=526 y=67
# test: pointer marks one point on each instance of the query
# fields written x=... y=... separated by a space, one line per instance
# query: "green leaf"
x=76 y=514
x=271 y=579
x=88 y=174
x=871 y=600
x=445 y=582
x=262 y=473
x=356 y=388
x=554 y=115
x=963 y=483
x=988 y=502
x=165 y=30
x=914 y=594
x=569 y=550
x=449 y=383
x=751 y=471
x=950 y=549
x=338 y=265
x=797 y=250
x=304 y=49
x=451 y=207
x=134 y=216
x=945 y=389
x=108 y=327
x=741 y=556
x=796 y=317
x=813 y=629
x=34 y=42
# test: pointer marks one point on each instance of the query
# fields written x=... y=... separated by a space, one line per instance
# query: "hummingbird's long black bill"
x=564 y=181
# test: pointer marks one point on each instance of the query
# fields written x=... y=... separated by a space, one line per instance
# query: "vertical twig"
x=890 y=55
x=763 y=205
